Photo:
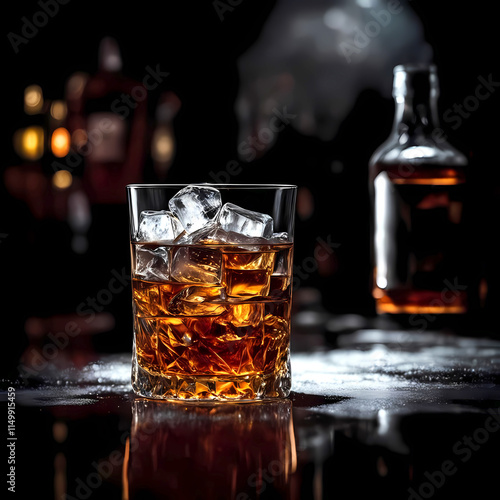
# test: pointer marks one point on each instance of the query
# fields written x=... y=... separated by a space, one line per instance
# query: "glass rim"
x=210 y=184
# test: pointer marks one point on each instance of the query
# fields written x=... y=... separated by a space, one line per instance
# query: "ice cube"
x=196 y=206
x=152 y=263
x=196 y=265
x=246 y=284
x=198 y=301
x=249 y=261
x=245 y=222
x=280 y=237
x=240 y=322
x=214 y=234
x=209 y=234
x=251 y=314
x=158 y=226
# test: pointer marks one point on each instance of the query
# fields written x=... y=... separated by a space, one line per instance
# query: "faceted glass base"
x=217 y=388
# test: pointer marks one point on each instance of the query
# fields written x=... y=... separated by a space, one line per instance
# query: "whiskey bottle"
x=417 y=185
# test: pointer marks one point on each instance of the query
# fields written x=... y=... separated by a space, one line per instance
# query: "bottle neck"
x=415 y=116
x=415 y=93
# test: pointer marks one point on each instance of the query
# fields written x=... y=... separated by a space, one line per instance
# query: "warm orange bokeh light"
x=60 y=142
x=163 y=145
x=62 y=179
x=28 y=142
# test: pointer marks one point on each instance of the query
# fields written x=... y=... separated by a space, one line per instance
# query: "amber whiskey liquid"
x=215 y=324
x=418 y=239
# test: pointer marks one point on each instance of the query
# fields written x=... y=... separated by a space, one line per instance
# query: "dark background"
x=42 y=277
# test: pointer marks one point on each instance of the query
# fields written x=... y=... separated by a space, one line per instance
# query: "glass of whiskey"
x=211 y=290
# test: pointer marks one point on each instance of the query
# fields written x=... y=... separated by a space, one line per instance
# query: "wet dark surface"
x=385 y=414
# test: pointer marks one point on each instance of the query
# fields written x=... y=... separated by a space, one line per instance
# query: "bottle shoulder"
x=415 y=150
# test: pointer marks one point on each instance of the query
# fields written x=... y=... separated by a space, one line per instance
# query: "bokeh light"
x=58 y=110
x=62 y=179
x=60 y=142
x=79 y=138
x=33 y=99
x=28 y=142
x=163 y=145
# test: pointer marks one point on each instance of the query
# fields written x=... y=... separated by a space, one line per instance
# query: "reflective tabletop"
x=389 y=413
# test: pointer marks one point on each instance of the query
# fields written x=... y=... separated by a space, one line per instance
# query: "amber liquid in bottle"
x=419 y=240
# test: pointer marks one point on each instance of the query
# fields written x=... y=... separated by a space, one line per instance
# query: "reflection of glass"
x=212 y=271
x=210 y=451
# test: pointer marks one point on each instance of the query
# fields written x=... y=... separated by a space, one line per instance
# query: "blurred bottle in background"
x=112 y=114
x=418 y=190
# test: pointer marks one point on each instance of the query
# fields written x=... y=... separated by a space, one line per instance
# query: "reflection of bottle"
x=211 y=451
x=418 y=183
